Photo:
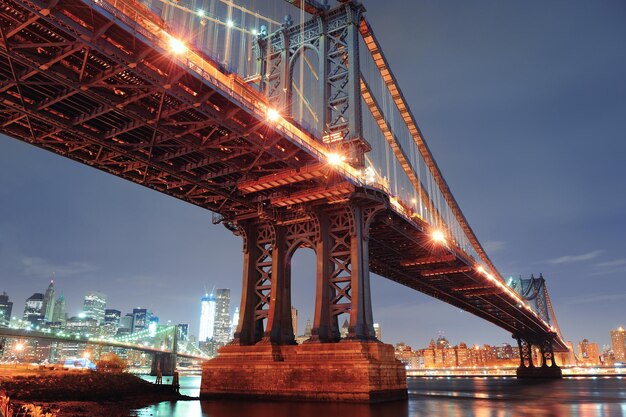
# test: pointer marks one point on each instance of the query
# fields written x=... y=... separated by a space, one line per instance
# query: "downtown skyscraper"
x=47 y=308
x=207 y=318
x=94 y=305
x=222 y=316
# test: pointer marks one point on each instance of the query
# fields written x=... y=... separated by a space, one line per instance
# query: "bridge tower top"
x=331 y=38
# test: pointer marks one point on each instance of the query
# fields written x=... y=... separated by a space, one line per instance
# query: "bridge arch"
x=306 y=88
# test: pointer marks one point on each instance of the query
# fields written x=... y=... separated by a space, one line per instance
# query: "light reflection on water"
x=456 y=397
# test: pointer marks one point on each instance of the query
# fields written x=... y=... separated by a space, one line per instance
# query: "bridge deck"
x=93 y=84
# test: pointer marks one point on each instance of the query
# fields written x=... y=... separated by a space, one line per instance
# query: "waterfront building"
x=60 y=313
x=33 y=308
x=6 y=307
x=207 y=317
x=94 y=305
x=307 y=328
x=222 y=316
x=462 y=355
x=588 y=353
x=47 y=307
x=618 y=343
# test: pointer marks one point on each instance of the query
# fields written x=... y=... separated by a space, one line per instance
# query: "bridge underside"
x=83 y=83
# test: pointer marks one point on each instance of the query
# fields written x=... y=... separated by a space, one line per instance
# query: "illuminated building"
x=59 y=315
x=153 y=324
x=235 y=323
x=588 y=353
x=6 y=307
x=112 y=321
x=207 y=318
x=126 y=324
x=94 y=305
x=33 y=308
x=141 y=319
x=183 y=331
x=222 y=316
x=618 y=343
x=462 y=355
x=344 y=329
x=82 y=324
x=47 y=307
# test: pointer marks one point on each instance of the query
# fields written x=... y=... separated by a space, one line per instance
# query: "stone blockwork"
x=345 y=371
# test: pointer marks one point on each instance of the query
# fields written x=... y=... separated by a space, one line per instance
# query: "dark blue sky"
x=523 y=105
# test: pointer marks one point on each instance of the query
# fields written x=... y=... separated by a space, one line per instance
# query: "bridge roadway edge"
x=350 y=371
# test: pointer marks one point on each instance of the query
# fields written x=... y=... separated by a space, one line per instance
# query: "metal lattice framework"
x=95 y=81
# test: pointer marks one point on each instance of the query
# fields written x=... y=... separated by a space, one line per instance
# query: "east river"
x=440 y=397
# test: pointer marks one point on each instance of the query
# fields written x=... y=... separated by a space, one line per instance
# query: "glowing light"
x=254 y=32
x=370 y=175
x=414 y=201
x=86 y=355
x=230 y=23
x=201 y=13
x=177 y=46
x=335 y=158
x=19 y=347
x=272 y=115
x=438 y=236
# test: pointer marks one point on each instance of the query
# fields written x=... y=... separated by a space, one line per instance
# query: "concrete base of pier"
x=345 y=371
x=539 y=372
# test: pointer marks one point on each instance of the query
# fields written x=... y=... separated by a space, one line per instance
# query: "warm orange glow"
x=86 y=355
x=177 y=46
x=19 y=347
x=335 y=158
x=272 y=115
x=438 y=236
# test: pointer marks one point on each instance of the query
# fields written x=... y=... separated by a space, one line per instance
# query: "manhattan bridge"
x=294 y=132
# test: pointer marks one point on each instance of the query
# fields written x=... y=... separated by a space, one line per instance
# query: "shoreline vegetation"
x=74 y=393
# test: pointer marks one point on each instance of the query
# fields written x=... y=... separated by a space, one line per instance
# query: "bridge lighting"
x=370 y=175
x=177 y=46
x=254 y=32
x=86 y=355
x=230 y=23
x=272 y=115
x=335 y=158
x=19 y=347
x=438 y=236
x=201 y=13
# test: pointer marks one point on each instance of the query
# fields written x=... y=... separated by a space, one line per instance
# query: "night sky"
x=523 y=105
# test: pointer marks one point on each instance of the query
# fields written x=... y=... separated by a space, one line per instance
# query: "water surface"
x=441 y=397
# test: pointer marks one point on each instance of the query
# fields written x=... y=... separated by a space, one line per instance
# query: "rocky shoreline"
x=78 y=394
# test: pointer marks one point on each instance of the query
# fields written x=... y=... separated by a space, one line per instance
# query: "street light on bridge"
x=438 y=236
x=272 y=115
x=177 y=46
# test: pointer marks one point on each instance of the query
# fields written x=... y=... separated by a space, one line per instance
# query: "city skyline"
x=509 y=111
